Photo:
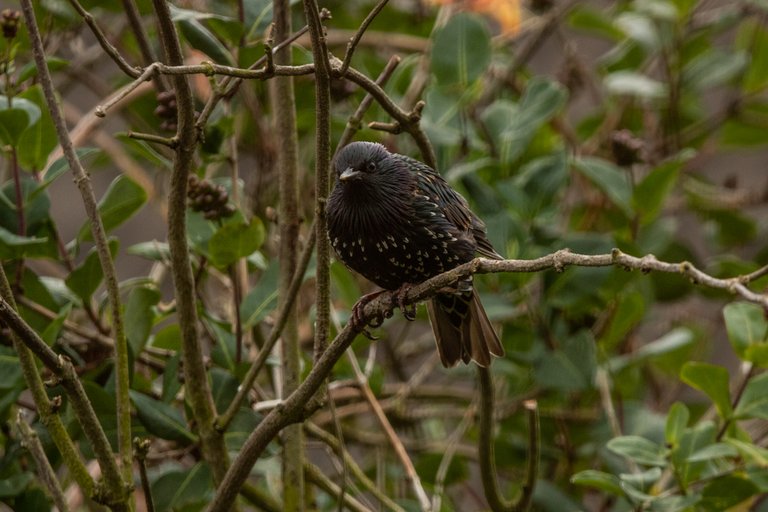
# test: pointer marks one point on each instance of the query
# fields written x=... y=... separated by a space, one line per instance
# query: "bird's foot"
x=358 y=318
x=399 y=296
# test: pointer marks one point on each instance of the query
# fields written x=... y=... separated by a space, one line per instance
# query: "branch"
x=108 y=48
x=359 y=34
x=31 y=441
x=197 y=388
x=83 y=182
x=322 y=174
x=316 y=476
x=282 y=316
x=293 y=409
x=487 y=458
x=115 y=495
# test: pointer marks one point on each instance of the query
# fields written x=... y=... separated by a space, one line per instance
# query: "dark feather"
x=396 y=221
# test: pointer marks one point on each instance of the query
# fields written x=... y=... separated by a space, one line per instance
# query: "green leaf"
x=235 y=240
x=52 y=331
x=673 y=340
x=16 y=484
x=756 y=454
x=713 y=68
x=39 y=139
x=713 y=451
x=10 y=371
x=677 y=421
x=14 y=246
x=87 y=277
x=169 y=338
x=726 y=492
x=122 y=199
x=262 y=299
x=712 y=381
x=638 y=449
x=140 y=315
x=199 y=36
x=756 y=76
x=224 y=351
x=59 y=167
x=188 y=490
x=513 y=127
x=595 y=21
x=631 y=83
x=13 y=122
x=461 y=50
x=171 y=382
x=223 y=388
x=747 y=330
x=612 y=180
x=152 y=250
x=161 y=419
x=572 y=368
x=650 y=194
x=754 y=399
x=598 y=480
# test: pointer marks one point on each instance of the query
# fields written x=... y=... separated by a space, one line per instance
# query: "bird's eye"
x=370 y=166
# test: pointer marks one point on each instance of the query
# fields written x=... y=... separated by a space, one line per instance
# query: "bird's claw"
x=358 y=317
x=408 y=310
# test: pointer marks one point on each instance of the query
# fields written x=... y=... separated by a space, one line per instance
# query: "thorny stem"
x=105 y=257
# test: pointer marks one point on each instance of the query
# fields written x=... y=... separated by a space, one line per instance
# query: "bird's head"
x=362 y=162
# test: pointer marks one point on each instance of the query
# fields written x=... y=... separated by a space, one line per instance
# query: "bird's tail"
x=462 y=329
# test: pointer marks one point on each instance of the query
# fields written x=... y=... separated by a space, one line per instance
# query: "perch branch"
x=293 y=409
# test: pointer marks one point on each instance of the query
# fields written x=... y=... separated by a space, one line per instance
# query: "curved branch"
x=485 y=449
x=294 y=409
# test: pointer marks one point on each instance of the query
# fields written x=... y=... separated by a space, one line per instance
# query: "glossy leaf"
x=677 y=422
x=123 y=198
x=598 y=480
x=461 y=50
x=87 y=277
x=39 y=139
x=713 y=381
x=638 y=449
x=612 y=180
x=753 y=403
x=161 y=419
x=747 y=331
x=140 y=316
x=235 y=240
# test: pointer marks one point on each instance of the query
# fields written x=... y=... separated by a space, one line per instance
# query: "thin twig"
x=316 y=476
x=83 y=182
x=447 y=458
x=108 y=48
x=266 y=349
x=352 y=45
x=198 y=390
x=141 y=448
x=410 y=471
x=293 y=408
x=336 y=446
x=115 y=494
x=31 y=441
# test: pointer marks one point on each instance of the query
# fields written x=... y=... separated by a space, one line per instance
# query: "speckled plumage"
x=396 y=221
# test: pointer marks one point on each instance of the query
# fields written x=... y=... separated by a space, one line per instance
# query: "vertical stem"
x=44 y=469
x=45 y=411
x=322 y=167
x=83 y=182
x=197 y=388
x=283 y=99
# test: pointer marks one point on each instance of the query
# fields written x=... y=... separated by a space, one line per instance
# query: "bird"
x=397 y=222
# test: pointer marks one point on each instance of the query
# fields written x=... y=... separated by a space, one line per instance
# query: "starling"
x=396 y=221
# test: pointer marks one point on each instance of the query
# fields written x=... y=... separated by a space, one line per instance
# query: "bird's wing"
x=453 y=206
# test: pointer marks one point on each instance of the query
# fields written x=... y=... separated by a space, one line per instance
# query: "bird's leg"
x=358 y=320
x=409 y=310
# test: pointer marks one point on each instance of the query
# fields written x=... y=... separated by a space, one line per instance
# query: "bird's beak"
x=349 y=174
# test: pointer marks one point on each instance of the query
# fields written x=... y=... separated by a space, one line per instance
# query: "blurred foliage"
x=641 y=125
